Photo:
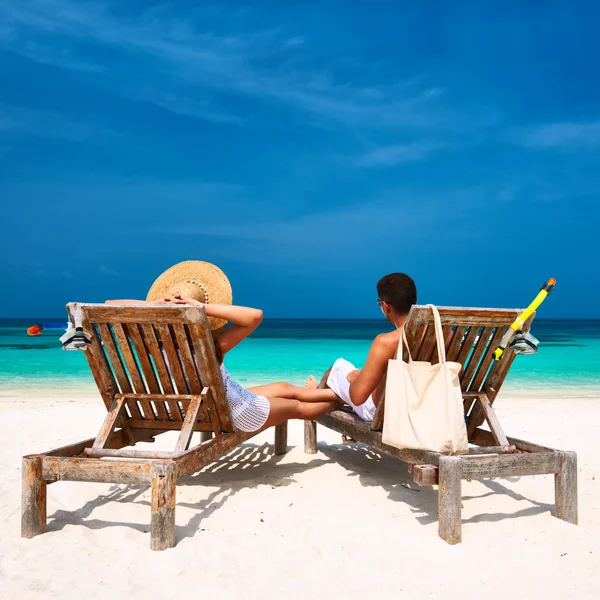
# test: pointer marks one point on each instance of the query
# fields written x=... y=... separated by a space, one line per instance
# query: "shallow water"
x=567 y=364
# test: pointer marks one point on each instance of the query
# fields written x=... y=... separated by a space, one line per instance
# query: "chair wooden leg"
x=33 y=500
x=310 y=437
x=162 y=523
x=449 y=500
x=565 y=488
x=281 y=432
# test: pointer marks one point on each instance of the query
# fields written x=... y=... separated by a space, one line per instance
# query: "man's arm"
x=365 y=383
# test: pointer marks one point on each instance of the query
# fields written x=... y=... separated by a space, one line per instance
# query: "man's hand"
x=351 y=377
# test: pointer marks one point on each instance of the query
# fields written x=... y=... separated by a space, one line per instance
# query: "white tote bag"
x=423 y=402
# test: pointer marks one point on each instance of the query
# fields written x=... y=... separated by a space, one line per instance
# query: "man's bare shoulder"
x=386 y=343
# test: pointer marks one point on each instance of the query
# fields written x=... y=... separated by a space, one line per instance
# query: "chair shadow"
x=422 y=500
x=246 y=466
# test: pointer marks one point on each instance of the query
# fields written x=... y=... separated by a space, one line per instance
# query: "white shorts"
x=338 y=382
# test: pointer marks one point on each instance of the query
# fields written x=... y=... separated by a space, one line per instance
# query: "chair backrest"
x=470 y=337
x=162 y=355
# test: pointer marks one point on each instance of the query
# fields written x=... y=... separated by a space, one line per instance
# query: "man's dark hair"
x=399 y=291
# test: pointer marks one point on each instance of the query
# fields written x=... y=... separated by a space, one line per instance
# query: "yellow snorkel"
x=524 y=343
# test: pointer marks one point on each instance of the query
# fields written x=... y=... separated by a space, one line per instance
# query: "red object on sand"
x=34 y=330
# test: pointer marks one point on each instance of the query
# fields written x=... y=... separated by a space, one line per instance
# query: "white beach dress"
x=249 y=412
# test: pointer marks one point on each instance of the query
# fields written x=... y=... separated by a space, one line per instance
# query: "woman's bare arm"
x=245 y=320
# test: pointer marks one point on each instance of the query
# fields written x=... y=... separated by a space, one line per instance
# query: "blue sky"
x=307 y=148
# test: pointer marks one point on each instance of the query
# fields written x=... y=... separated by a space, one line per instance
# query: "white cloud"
x=561 y=135
x=387 y=156
x=265 y=65
x=45 y=123
x=108 y=271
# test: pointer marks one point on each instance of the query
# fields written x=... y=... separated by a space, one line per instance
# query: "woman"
x=256 y=407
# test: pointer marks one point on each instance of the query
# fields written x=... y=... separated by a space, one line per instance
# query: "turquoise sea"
x=567 y=364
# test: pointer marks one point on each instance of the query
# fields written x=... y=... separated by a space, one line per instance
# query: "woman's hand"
x=178 y=299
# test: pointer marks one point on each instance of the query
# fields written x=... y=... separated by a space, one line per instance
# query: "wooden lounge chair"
x=471 y=335
x=157 y=371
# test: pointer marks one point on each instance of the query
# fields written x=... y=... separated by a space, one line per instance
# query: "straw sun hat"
x=195 y=279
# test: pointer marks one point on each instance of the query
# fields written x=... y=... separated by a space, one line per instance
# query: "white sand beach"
x=344 y=523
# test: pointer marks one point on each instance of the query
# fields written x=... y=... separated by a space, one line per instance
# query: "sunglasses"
x=380 y=302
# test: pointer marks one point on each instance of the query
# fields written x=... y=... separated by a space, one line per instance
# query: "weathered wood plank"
x=168 y=425
x=466 y=348
x=127 y=453
x=454 y=347
x=485 y=363
x=115 y=360
x=162 y=522
x=510 y=449
x=565 y=487
x=453 y=315
x=59 y=468
x=175 y=369
x=162 y=371
x=310 y=437
x=185 y=351
x=206 y=357
x=425 y=474
x=137 y=383
x=110 y=421
x=475 y=358
x=33 y=498
x=351 y=425
x=485 y=438
x=191 y=417
x=449 y=499
x=198 y=457
x=116 y=440
x=159 y=314
x=508 y=465
x=428 y=346
x=281 y=432
x=96 y=359
x=492 y=419
x=152 y=386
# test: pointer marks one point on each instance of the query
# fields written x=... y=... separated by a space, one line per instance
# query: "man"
x=362 y=389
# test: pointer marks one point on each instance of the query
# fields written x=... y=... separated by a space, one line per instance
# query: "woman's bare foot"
x=311 y=383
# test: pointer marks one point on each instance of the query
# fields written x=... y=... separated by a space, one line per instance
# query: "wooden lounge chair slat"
x=187 y=359
x=168 y=425
x=114 y=358
x=175 y=370
x=158 y=315
x=191 y=416
x=428 y=346
x=98 y=363
x=484 y=365
x=110 y=421
x=137 y=383
x=473 y=361
x=466 y=348
x=163 y=374
x=204 y=351
x=453 y=348
x=150 y=411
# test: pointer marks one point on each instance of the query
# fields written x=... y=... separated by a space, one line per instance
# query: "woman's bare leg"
x=309 y=393
x=284 y=409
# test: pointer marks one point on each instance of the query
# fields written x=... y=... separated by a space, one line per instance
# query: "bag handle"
x=439 y=333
